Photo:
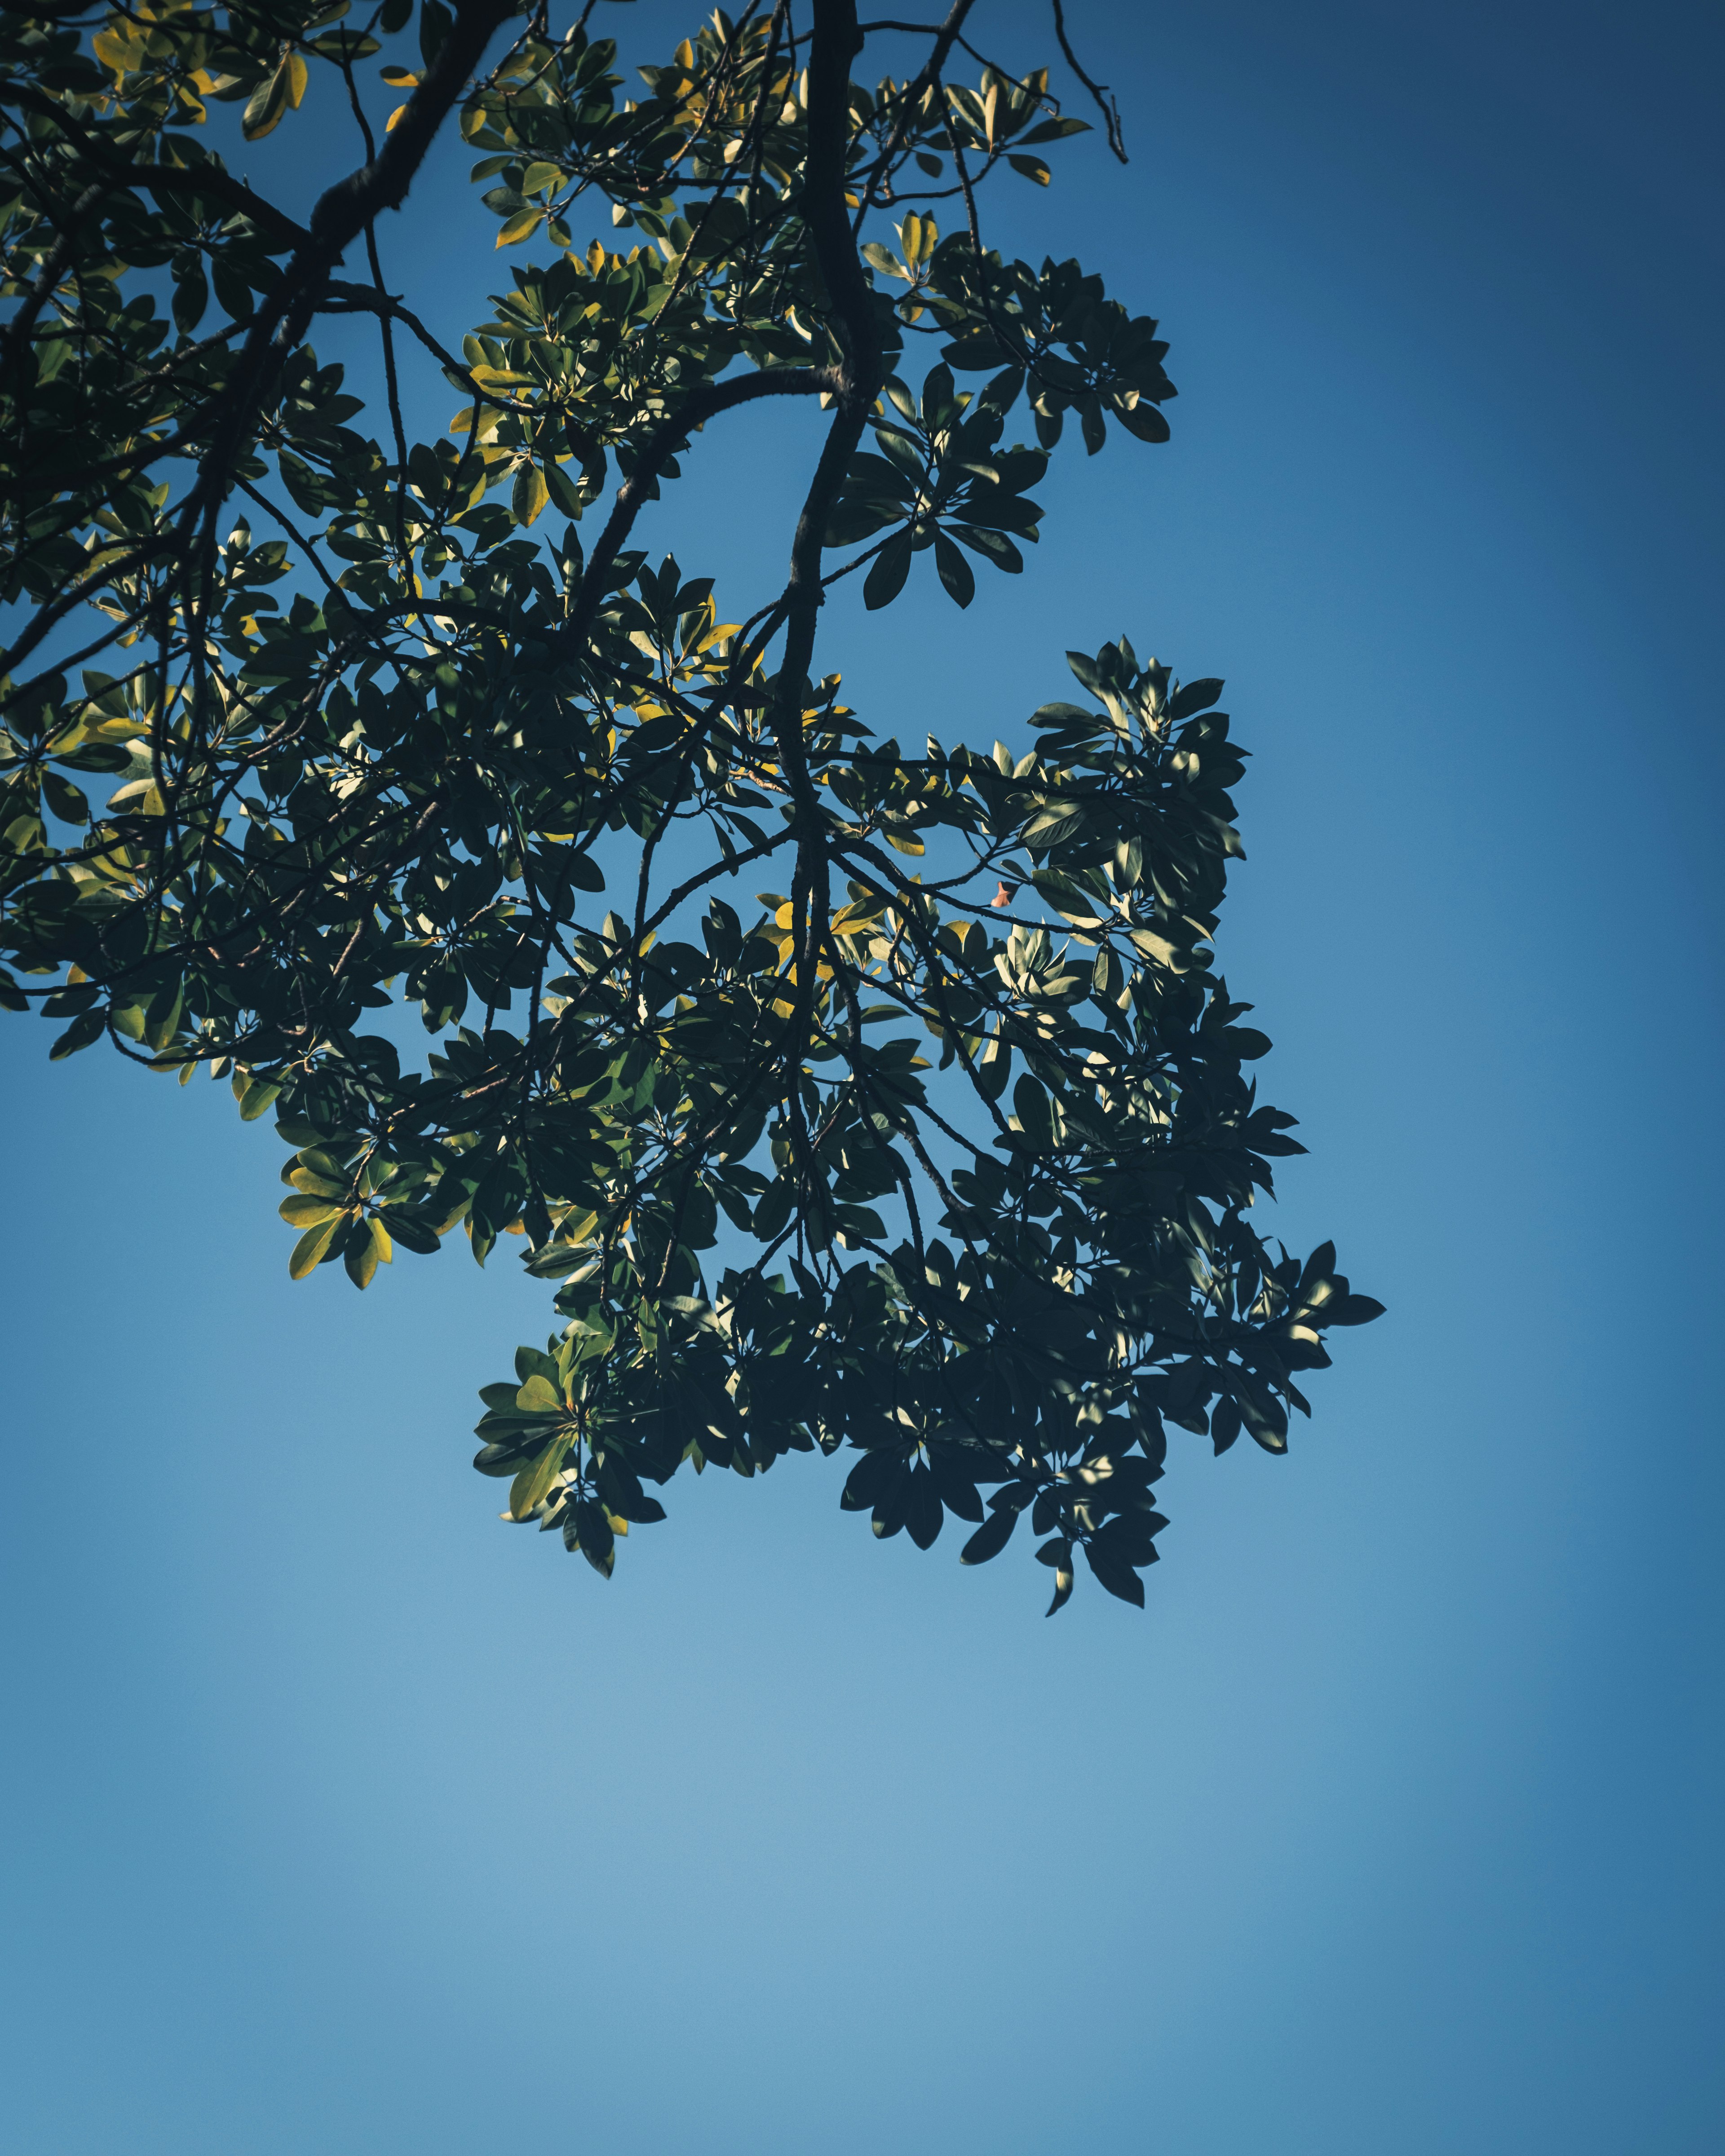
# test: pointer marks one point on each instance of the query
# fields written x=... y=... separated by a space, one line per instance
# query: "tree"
x=947 y=1152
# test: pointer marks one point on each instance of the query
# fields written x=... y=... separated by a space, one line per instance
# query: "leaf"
x=564 y=491
x=991 y=1538
x=1192 y=697
x=117 y=50
x=313 y=1247
x=994 y=1066
x=267 y=103
x=521 y=226
x=597 y=1536
x=539 y=1396
x=923 y=1513
x=301 y=1212
x=258 y=1096
x=886 y=579
x=1116 y=1576
x=530 y=494
x=993 y=545
x=1353 y=1310
x=1057 y=1554
x=955 y=571
x=87 y=1027
x=1265 y=1417
x=1144 y=421
x=531 y=1487
x=1031 y=1106
x=361 y=1255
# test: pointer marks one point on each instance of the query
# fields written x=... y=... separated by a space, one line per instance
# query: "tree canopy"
x=428 y=809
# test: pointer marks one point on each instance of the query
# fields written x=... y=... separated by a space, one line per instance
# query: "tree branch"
x=704 y=404
x=1104 y=97
x=162 y=179
x=340 y=215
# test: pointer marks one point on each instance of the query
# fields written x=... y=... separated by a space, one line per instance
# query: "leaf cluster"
x=326 y=767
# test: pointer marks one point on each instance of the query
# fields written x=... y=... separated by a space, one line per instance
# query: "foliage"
x=948 y=1153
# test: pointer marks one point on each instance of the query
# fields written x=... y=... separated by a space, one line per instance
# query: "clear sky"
x=339 y=1817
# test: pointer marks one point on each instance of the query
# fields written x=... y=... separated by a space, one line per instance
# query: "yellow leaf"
x=117 y=49
x=530 y=494
x=307 y=1212
x=298 y=75
x=520 y=226
x=311 y=1246
x=313 y=1185
x=400 y=113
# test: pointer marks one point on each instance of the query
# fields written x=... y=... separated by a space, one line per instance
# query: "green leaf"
x=1192 y=697
x=1031 y=1104
x=267 y=103
x=87 y=1027
x=313 y=1247
x=991 y=1538
x=421 y=786
x=1144 y=421
x=307 y=1212
x=366 y=1247
x=1353 y=1310
x=532 y=1485
x=955 y=571
x=258 y=1096
x=993 y=545
x=563 y=489
x=1118 y=1577
x=530 y=494
x=886 y=575
x=1057 y=1554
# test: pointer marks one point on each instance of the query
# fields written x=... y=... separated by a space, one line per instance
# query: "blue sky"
x=341 y=1817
